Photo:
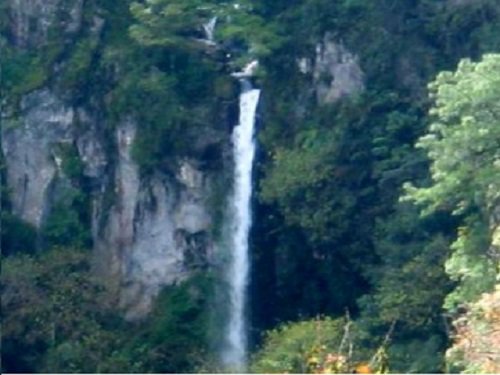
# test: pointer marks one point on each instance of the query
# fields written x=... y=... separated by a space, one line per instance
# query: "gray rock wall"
x=157 y=229
x=336 y=71
x=32 y=20
x=28 y=145
x=148 y=231
x=149 y=238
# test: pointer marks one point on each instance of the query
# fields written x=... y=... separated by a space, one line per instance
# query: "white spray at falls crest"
x=234 y=355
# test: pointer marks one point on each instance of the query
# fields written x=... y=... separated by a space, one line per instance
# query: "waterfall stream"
x=209 y=29
x=234 y=354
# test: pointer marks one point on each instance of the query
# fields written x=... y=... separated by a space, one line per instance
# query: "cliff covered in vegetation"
x=377 y=182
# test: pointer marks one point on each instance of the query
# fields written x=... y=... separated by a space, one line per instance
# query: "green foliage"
x=16 y=236
x=243 y=27
x=463 y=143
x=319 y=346
x=318 y=195
x=416 y=354
x=77 y=67
x=58 y=318
x=297 y=177
x=287 y=349
x=163 y=123
x=71 y=164
x=474 y=272
x=410 y=279
x=25 y=69
x=330 y=227
x=4 y=18
x=169 y=23
x=68 y=223
x=179 y=25
x=176 y=336
x=462 y=28
x=409 y=287
x=178 y=89
x=312 y=176
x=53 y=314
x=22 y=71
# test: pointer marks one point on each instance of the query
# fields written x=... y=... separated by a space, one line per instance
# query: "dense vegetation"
x=383 y=204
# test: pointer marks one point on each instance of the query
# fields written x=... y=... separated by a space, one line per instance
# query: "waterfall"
x=209 y=29
x=234 y=354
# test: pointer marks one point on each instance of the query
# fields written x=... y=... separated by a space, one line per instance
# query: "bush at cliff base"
x=476 y=347
x=319 y=346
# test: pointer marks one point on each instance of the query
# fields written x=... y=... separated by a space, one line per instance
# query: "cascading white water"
x=234 y=354
x=209 y=29
x=240 y=215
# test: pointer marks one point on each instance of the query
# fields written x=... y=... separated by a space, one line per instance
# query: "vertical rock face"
x=148 y=231
x=157 y=231
x=28 y=146
x=336 y=71
x=32 y=20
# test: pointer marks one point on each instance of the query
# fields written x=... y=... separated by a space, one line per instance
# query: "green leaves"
x=463 y=144
x=464 y=140
x=178 y=25
x=287 y=348
x=52 y=305
x=168 y=23
x=58 y=318
x=174 y=338
x=468 y=264
x=21 y=71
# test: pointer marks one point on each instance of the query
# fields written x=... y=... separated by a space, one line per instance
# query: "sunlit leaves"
x=298 y=347
x=464 y=140
x=463 y=144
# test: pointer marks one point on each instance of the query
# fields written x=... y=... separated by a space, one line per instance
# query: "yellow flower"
x=363 y=368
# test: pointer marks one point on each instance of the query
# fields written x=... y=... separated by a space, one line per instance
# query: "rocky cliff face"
x=335 y=71
x=32 y=20
x=27 y=143
x=158 y=229
x=147 y=231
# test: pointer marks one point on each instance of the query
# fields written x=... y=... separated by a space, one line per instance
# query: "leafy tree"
x=319 y=346
x=463 y=144
x=296 y=175
x=16 y=235
x=176 y=336
x=180 y=22
x=463 y=141
x=54 y=314
x=179 y=25
x=68 y=222
x=294 y=347
x=56 y=317
x=409 y=285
